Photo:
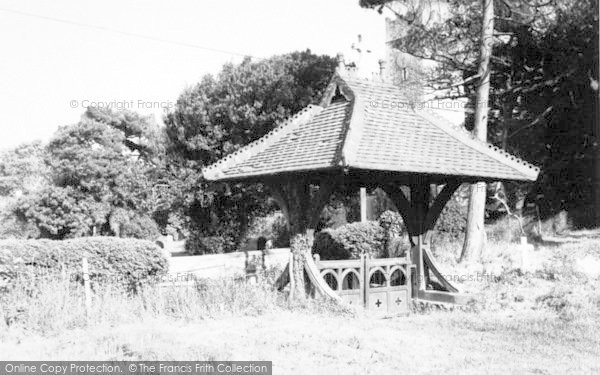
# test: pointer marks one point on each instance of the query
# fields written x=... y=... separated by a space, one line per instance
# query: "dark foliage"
x=221 y=114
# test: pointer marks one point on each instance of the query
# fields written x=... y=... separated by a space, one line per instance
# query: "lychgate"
x=352 y=140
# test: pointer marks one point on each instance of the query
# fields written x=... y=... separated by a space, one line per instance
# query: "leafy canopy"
x=221 y=114
x=102 y=172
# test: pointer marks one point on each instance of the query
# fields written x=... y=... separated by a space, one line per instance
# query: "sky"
x=57 y=57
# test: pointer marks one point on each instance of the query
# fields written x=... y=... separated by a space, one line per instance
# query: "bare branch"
x=496 y=196
x=534 y=122
x=462 y=83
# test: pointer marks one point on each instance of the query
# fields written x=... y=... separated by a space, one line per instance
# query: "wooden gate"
x=381 y=285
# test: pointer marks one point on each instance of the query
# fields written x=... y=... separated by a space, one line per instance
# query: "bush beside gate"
x=349 y=241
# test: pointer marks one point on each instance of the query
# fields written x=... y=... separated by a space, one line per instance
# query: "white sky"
x=48 y=67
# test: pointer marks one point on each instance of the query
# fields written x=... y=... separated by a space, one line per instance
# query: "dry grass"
x=53 y=305
x=326 y=343
x=539 y=320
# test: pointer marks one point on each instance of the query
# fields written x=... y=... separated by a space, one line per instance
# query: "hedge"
x=127 y=261
x=350 y=240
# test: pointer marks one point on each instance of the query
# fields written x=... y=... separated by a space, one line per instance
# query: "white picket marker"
x=86 y=287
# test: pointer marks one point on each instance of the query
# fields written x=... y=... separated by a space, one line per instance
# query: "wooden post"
x=363 y=272
x=366 y=280
x=86 y=287
x=419 y=195
x=291 y=273
x=363 y=204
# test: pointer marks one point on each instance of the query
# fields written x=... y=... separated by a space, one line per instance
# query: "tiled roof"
x=310 y=140
x=370 y=125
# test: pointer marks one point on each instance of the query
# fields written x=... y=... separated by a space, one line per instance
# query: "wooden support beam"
x=429 y=263
x=284 y=278
x=404 y=208
x=417 y=260
x=363 y=204
x=321 y=287
x=433 y=213
x=419 y=201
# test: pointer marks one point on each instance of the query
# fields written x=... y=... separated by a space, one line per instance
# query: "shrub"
x=333 y=216
x=124 y=260
x=58 y=212
x=453 y=220
x=13 y=227
x=130 y=224
x=140 y=227
x=199 y=245
x=395 y=242
x=392 y=223
x=349 y=241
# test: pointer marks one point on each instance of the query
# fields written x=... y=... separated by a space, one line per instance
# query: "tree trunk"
x=475 y=233
x=597 y=153
x=300 y=247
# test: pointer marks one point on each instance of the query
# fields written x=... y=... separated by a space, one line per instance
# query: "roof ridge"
x=300 y=117
x=353 y=129
x=489 y=149
x=399 y=96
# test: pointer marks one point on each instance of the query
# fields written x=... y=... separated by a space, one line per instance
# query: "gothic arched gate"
x=380 y=285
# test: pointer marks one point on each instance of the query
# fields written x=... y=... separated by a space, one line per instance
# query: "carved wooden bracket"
x=434 y=212
x=420 y=218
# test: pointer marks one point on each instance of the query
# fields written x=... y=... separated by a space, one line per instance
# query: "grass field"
x=326 y=343
x=544 y=321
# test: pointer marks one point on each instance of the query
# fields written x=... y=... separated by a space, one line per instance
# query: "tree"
x=475 y=232
x=23 y=169
x=543 y=73
x=221 y=114
x=102 y=175
x=61 y=212
x=140 y=134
